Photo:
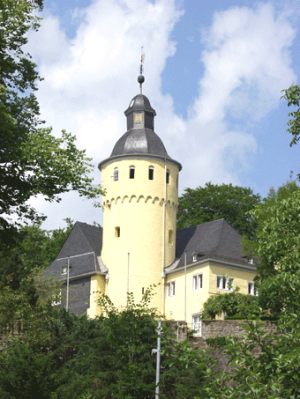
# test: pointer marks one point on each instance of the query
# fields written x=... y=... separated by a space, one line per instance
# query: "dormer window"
x=131 y=172
x=116 y=174
x=195 y=257
x=151 y=173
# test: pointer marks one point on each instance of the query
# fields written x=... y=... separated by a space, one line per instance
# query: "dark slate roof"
x=83 y=238
x=140 y=141
x=213 y=240
x=83 y=245
x=140 y=103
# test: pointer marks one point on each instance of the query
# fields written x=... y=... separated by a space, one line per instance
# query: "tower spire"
x=141 y=78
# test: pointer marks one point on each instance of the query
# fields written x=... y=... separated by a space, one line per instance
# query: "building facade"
x=138 y=245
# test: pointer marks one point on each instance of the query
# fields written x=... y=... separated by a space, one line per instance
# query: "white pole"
x=158 y=361
x=67 y=301
x=128 y=279
x=163 y=243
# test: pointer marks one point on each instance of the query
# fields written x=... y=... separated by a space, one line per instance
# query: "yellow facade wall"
x=97 y=286
x=175 y=305
x=135 y=208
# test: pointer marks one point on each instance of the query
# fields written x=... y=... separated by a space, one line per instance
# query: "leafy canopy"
x=212 y=202
x=292 y=95
x=32 y=160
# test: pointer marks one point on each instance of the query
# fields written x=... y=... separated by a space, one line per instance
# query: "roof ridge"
x=200 y=224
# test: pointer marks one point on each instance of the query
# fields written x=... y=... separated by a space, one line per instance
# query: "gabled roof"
x=83 y=246
x=213 y=240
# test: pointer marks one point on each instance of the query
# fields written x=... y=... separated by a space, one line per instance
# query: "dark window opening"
x=131 y=172
x=117 y=232
x=168 y=176
x=151 y=173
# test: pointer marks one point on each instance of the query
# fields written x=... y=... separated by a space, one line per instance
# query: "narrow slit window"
x=131 y=172
x=177 y=181
x=117 y=231
x=168 y=176
x=151 y=173
x=170 y=236
x=143 y=290
x=116 y=174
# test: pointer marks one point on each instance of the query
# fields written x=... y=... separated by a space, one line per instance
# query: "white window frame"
x=222 y=283
x=197 y=323
x=251 y=288
x=194 y=257
x=170 y=289
x=58 y=300
x=197 y=282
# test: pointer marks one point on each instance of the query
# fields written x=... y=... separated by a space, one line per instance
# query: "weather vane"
x=141 y=78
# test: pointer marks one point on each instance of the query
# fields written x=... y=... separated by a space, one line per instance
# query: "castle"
x=138 y=245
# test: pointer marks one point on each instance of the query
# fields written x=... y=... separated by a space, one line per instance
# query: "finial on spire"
x=141 y=78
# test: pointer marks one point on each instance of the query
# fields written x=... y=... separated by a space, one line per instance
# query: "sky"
x=214 y=72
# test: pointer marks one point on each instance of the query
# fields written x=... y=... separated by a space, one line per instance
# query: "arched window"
x=151 y=173
x=116 y=174
x=168 y=176
x=131 y=172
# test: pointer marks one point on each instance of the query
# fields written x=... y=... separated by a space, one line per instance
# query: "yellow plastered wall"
x=135 y=207
x=175 y=305
x=97 y=286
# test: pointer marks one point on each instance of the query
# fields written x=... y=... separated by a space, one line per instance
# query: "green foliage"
x=66 y=356
x=32 y=160
x=33 y=249
x=265 y=364
x=292 y=95
x=232 y=303
x=212 y=202
x=279 y=251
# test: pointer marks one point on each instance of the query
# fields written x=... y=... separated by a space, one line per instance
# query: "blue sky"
x=214 y=74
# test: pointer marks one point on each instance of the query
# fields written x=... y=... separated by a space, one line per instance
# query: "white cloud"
x=90 y=79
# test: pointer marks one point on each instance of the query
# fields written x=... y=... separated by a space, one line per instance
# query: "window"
x=151 y=173
x=117 y=231
x=116 y=174
x=131 y=172
x=225 y=283
x=170 y=289
x=194 y=257
x=143 y=290
x=167 y=176
x=197 y=282
x=56 y=299
x=196 y=324
x=170 y=236
x=251 y=288
x=64 y=270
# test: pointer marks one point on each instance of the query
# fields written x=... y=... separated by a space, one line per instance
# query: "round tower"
x=139 y=208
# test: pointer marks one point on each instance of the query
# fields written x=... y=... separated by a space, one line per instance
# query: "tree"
x=212 y=202
x=231 y=304
x=65 y=356
x=32 y=160
x=33 y=250
x=278 y=248
x=292 y=95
